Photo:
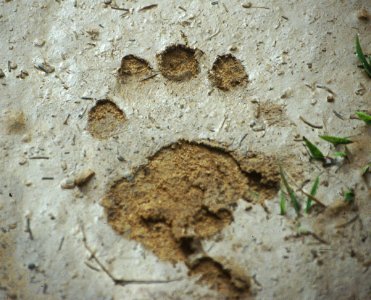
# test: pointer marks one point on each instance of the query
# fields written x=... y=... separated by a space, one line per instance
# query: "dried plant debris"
x=227 y=73
x=178 y=63
x=133 y=67
x=104 y=119
x=185 y=193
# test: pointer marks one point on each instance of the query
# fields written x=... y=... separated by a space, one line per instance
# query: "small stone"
x=67 y=184
x=287 y=93
x=26 y=138
x=247 y=5
x=330 y=98
x=361 y=90
x=83 y=177
x=22 y=75
x=28 y=183
x=258 y=128
x=2 y=74
x=363 y=14
x=64 y=165
x=13 y=65
x=107 y=2
x=45 y=67
x=22 y=161
x=39 y=43
x=13 y=226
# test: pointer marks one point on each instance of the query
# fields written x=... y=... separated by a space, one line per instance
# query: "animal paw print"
x=177 y=63
x=187 y=191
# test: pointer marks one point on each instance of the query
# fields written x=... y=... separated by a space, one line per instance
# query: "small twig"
x=61 y=244
x=148 y=7
x=313 y=198
x=242 y=139
x=348 y=222
x=325 y=88
x=47 y=178
x=28 y=227
x=221 y=126
x=338 y=115
x=307 y=233
x=83 y=112
x=117 y=281
x=182 y=8
x=39 y=157
x=214 y=34
x=87 y=98
x=66 y=120
x=310 y=124
x=149 y=77
x=120 y=8
x=267 y=211
x=91 y=266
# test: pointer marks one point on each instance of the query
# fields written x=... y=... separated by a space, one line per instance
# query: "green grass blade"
x=313 y=192
x=349 y=196
x=340 y=154
x=290 y=191
x=364 y=117
x=314 y=151
x=362 y=57
x=282 y=203
x=335 y=140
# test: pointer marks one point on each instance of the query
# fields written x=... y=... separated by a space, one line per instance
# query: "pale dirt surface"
x=57 y=243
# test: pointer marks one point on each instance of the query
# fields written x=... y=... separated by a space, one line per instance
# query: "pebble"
x=330 y=98
x=2 y=74
x=64 y=165
x=67 y=183
x=83 y=177
x=287 y=93
x=39 y=43
x=13 y=65
x=45 y=67
x=247 y=5
x=26 y=138
x=22 y=161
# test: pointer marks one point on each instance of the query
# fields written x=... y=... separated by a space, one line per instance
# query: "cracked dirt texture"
x=152 y=65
